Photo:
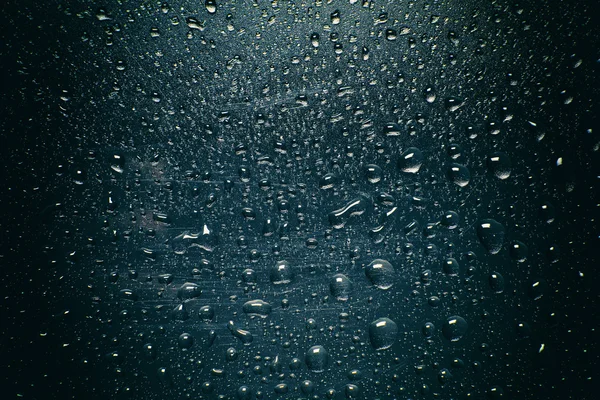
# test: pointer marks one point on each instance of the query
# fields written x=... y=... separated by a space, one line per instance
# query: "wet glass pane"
x=251 y=199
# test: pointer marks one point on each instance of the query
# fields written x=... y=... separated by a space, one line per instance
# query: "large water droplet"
x=428 y=329
x=383 y=333
x=180 y=312
x=518 y=251
x=380 y=273
x=185 y=341
x=340 y=287
x=391 y=129
x=450 y=219
x=411 y=160
x=257 y=307
x=496 y=282
x=314 y=39
x=499 y=164
x=451 y=267
x=491 y=235
x=429 y=94
x=459 y=174
x=244 y=336
x=547 y=212
x=455 y=328
x=211 y=6
x=335 y=17
x=206 y=313
x=281 y=273
x=328 y=181
x=317 y=358
x=373 y=173
x=307 y=387
x=188 y=291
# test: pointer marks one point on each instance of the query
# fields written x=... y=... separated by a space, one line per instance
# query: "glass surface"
x=255 y=199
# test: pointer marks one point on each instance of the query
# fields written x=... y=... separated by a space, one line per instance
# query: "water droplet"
x=207 y=387
x=450 y=220
x=165 y=279
x=249 y=275
x=164 y=376
x=211 y=6
x=453 y=104
x=373 y=173
x=212 y=336
x=295 y=364
x=340 y=287
x=496 y=282
x=154 y=32
x=383 y=333
x=352 y=391
x=188 y=291
x=185 y=341
x=102 y=15
x=491 y=235
x=429 y=94
x=553 y=254
x=391 y=34
x=314 y=39
x=281 y=273
x=121 y=65
x=317 y=358
x=459 y=174
x=385 y=225
x=455 y=328
x=231 y=354
x=411 y=160
x=180 y=312
x=547 y=212
x=257 y=307
x=381 y=274
x=244 y=336
x=206 y=313
x=455 y=151
x=495 y=393
x=428 y=329
x=307 y=387
x=340 y=217
x=328 y=181
x=518 y=251
x=499 y=164
x=244 y=393
x=281 y=388
x=523 y=330
x=194 y=23
x=451 y=267
x=128 y=294
x=444 y=375
x=391 y=129
x=335 y=17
